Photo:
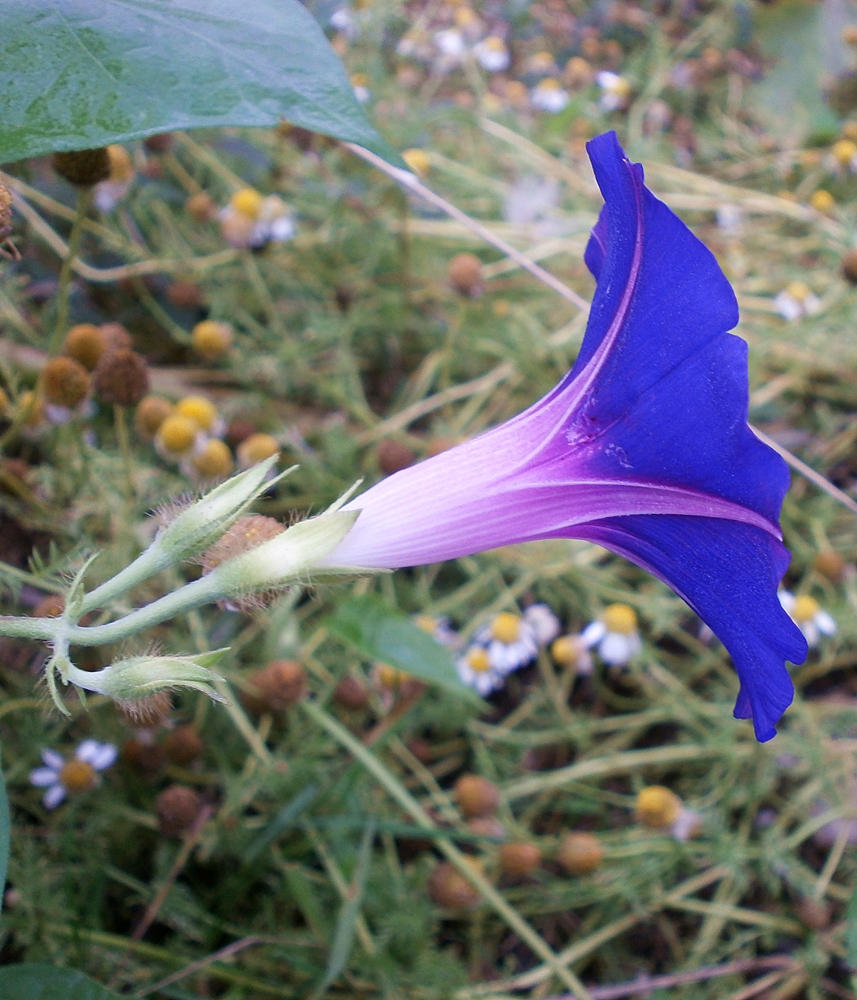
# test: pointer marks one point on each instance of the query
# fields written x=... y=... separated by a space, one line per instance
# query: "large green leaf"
x=380 y=633
x=805 y=48
x=44 y=982
x=5 y=835
x=81 y=73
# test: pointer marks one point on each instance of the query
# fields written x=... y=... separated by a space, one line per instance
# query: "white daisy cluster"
x=507 y=643
x=60 y=777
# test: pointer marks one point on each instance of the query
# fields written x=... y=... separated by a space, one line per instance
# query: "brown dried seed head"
x=85 y=343
x=201 y=207
x=465 y=274
x=64 y=382
x=476 y=796
x=276 y=687
x=116 y=336
x=177 y=808
x=83 y=167
x=849 y=266
x=121 y=377
x=393 y=456
x=829 y=564
x=184 y=745
x=144 y=755
x=519 y=858
x=245 y=534
x=351 y=693
x=151 y=412
x=449 y=888
x=185 y=294
x=160 y=143
x=580 y=853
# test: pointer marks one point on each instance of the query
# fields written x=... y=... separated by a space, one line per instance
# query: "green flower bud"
x=142 y=676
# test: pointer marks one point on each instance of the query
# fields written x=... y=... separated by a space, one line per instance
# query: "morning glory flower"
x=643 y=448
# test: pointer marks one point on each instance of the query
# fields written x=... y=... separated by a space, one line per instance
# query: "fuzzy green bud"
x=142 y=676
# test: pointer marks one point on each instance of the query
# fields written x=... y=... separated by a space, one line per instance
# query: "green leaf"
x=380 y=633
x=44 y=982
x=5 y=835
x=851 y=932
x=75 y=74
x=798 y=37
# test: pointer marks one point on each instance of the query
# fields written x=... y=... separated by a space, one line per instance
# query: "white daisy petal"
x=53 y=796
x=616 y=649
x=104 y=757
x=41 y=777
x=53 y=759
x=593 y=633
x=87 y=751
x=825 y=623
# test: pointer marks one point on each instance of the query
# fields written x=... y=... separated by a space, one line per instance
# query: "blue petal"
x=666 y=390
x=728 y=573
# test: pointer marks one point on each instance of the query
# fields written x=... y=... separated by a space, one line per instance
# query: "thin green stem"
x=84 y=199
x=26 y=628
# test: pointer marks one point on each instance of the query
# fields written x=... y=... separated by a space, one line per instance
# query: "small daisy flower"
x=344 y=21
x=510 y=642
x=796 y=300
x=659 y=808
x=543 y=622
x=614 y=634
x=451 y=49
x=842 y=157
x=492 y=54
x=808 y=615
x=61 y=777
x=360 y=83
x=251 y=221
x=548 y=95
x=569 y=651
x=730 y=218
x=108 y=193
x=615 y=91
x=541 y=63
x=477 y=671
x=439 y=629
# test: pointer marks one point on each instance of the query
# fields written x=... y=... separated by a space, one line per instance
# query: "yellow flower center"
x=214 y=461
x=198 y=409
x=177 y=433
x=805 y=608
x=843 y=151
x=78 y=776
x=822 y=201
x=417 y=160
x=389 y=677
x=549 y=84
x=494 y=44
x=506 y=628
x=246 y=202
x=798 y=290
x=478 y=661
x=426 y=623
x=620 y=618
x=566 y=650
x=257 y=448
x=658 y=806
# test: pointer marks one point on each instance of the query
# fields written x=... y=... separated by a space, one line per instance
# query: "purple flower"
x=643 y=448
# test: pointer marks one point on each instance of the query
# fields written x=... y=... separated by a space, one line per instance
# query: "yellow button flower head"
x=256 y=448
x=201 y=411
x=658 y=807
x=822 y=201
x=212 y=461
x=176 y=436
x=211 y=339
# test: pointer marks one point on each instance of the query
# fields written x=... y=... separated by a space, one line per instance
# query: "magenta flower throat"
x=643 y=448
